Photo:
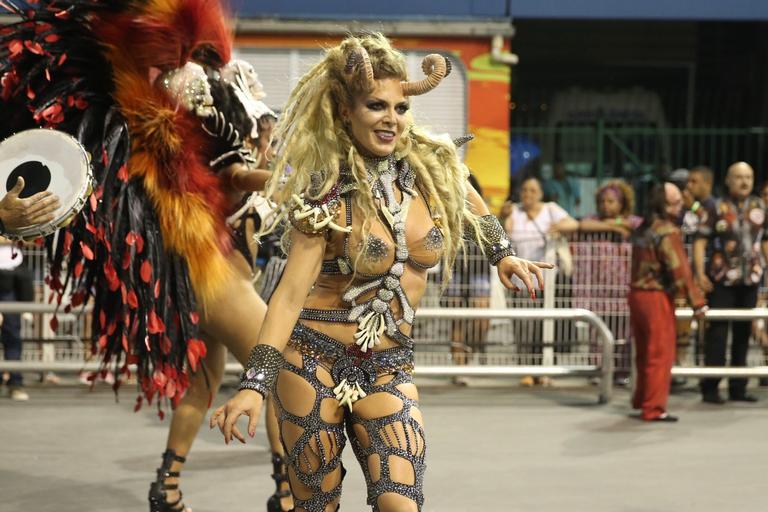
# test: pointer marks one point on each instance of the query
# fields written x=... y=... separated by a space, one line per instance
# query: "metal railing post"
x=600 y=149
x=606 y=368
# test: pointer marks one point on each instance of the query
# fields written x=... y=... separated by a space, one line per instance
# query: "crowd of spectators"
x=727 y=246
x=728 y=250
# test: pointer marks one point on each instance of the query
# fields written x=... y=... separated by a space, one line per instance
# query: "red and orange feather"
x=169 y=149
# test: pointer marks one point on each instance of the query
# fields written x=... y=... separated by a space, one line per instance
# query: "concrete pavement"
x=491 y=446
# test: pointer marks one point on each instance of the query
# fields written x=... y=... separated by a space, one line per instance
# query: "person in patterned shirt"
x=733 y=236
x=660 y=271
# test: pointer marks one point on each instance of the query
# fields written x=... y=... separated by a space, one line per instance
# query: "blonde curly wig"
x=314 y=144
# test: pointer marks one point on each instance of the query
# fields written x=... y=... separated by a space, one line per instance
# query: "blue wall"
x=736 y=10
x=372 y=9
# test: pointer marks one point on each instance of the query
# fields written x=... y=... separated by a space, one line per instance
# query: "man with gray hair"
x=733 y=236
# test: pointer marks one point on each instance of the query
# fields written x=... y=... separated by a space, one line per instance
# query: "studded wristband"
x=261 y=371
x=496 y=245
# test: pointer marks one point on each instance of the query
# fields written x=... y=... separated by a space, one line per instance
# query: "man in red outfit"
x=660 y=271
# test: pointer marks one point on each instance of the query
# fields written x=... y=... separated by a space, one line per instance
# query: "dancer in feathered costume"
x=86 y=67
x=130 y=79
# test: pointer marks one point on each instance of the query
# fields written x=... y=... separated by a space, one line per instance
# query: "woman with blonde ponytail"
x=373 y=202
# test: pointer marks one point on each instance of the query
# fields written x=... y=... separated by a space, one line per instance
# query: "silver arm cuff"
x=495 y=243
x=262 y=369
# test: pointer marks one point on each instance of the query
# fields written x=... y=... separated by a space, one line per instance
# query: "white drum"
x=47 y=160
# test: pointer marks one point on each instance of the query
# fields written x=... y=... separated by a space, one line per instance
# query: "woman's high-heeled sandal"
x=279 y=475
x=158 y=490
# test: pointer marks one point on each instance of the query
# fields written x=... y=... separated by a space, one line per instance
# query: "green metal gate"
x=601 y=151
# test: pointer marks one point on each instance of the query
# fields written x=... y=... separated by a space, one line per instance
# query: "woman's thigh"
x=235 y=318
x=387 y=433
x=312 y=432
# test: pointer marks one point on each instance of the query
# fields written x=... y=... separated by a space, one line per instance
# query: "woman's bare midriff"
x=327 y=294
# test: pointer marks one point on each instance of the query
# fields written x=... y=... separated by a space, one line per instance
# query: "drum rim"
x=78 y=199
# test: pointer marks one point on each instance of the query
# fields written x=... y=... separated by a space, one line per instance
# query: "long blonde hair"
x=314 y=144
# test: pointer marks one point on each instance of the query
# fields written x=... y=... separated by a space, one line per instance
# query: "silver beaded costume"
x=349 y=363
x=355 y=368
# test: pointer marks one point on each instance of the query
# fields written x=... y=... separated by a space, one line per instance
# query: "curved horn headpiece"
x=360 y=56
x=436 y=67
x=460 y=141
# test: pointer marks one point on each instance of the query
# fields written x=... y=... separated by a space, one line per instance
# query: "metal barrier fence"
x=473 y=339
x=492 y=341
x=712 y=371
x=426 y=366
x=599 y=283
x=603 y=368
x=427 y=362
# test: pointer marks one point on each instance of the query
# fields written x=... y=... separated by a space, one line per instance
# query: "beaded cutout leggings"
x=384 y=427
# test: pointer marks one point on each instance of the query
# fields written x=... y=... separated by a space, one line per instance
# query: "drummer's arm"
x=16 y=212
x=245 y=179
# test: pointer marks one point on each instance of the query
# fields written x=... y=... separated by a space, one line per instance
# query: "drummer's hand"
x=514 y=266
x=37 y=209
x=246 y=402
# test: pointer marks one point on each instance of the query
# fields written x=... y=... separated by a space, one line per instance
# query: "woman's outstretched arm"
x=507 y=266
x=301 y=271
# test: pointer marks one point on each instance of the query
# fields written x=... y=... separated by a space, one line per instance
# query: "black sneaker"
x=679 y=382
x=666 y=417
x=743 y=398
x=713 y=399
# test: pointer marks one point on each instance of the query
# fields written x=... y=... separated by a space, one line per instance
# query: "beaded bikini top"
x=375 y=315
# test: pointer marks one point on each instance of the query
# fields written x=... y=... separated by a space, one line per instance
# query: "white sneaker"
x=460 y=381
x=52 y=378
x=19 y=395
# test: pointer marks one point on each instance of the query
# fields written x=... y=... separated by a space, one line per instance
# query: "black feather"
x=99 y=255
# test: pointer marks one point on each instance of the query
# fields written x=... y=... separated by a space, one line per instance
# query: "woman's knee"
x=391 y=502
x=331 y=507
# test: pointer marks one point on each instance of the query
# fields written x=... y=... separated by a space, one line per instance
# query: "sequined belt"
x=354 y=372
x=342 y=316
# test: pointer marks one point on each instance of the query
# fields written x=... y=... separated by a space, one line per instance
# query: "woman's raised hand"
x=246 y=402
x=524 y=269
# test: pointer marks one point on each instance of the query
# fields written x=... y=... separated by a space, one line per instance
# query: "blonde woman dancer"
x=374 y=202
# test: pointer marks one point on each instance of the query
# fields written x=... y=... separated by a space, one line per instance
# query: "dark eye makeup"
x=379 y=105
x=375 y=105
